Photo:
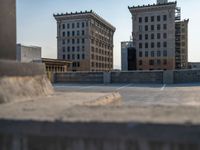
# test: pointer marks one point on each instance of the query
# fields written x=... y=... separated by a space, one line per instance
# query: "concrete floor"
x=144 y=94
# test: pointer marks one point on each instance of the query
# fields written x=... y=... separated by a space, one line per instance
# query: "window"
x=152 y=27
x=146 y=19
x=158 y=35
x=77 y=33
x=63 y=34
x=63 y=49
x=63 y=26
x=83 y=41
x=158 y=44
x=164 y=62
x=165 y=53
x=83 y=32
x=152 y=36
x=83 y=48
x=146 y=28
x=158 y=53
x=78 y=41
x=146 y=45
x=140 y=62
x=68 y=41
x=140 y=45
x=73 y=25
x=164 y=44
x=152 y=53
x=165 y=26
x=164 y=17
x=140 y=19
x=140 y=54
x=152 y=45
x=78 y=56
x=63 y=56
x=146 y=36
x=78 y=48
x=77 y=25
x=68 y=33
x=152 y=18
x=63 y=42
x=83 y=24
x=158 y=27
x=158 y=62
x=68 y=26
x=158 y=18
x=151 y=62
x=73 y=33
x=68 y=56
x=73 y=41
x=73 y=49
x=83 y=56
x=164 y=35
x=68 y=49
x=73 y=56
x=146 y=53
x=140 y=37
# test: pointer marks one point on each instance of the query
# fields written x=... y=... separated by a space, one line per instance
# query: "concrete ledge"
x=105 y=100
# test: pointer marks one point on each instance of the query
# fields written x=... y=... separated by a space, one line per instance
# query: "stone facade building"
x=154 y=34
x=86 y=39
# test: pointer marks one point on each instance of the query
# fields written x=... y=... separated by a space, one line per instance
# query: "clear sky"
x=36 y=25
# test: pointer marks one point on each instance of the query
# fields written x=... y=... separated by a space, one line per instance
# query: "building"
x=194 y=65
x=86 y=39
x=28 y=53
x=128 y=56
x=182 y=44
x=154 y=35
x=8 y=29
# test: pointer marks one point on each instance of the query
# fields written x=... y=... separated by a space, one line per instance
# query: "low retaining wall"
x=22 y=81
x=142 y=77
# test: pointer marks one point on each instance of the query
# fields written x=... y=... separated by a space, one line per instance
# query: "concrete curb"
x=105 y=100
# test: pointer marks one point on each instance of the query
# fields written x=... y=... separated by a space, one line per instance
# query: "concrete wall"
x=8 y=29
x=146 y=77
x=33 y=135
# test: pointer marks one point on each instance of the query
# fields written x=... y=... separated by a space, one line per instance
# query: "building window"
x=68 y=41
x=158 y=26
x=63 y=34
x=152 y=36
x=68 y=26
x=146 y=28
x=152 y=53
x=63 y=49
x=73 y=33
x=140 y=62
x=140 y=45
x=83 y=24
x=63 y=26
x=158 y=62
x=158 y=53
x=164 y=44
x=78 y=56
x=158 y=35
x=83 y=48
x=146 y=45
x=68 y=56
x=83 y=41
x=158 y=18
x=152 y=18
x=140 y=37
x=164 y=62
x=73 y=25
x=63 y=56
x=164 y=17
x=73 y=41
x=165 y=26
x=164 y=35
x=78 y=41
x=152 y=45
x=83 y=32
x=77 y=33
x=151 y=62
x=68 y=49
x=78 y=48
x=83 y=56
x=152 y=27
x=68 y=33
x=146 y=19
x=140 y=19
x=73 y=56
x=63 y=42
x=73 y=48
x=165 y=53
x=77 y=25
x=146 y=54
x=146 y=36
x=140 y=54
x=158 y=44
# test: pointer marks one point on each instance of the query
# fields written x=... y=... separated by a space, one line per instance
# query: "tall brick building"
x=155 y=36
x=86 y=39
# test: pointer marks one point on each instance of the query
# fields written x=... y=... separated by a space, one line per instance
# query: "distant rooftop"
x=91 y=12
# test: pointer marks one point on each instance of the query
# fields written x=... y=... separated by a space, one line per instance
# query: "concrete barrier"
x=186 y=76
x=22 y=81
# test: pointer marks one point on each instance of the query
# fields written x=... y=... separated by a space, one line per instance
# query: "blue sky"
x=36 y=25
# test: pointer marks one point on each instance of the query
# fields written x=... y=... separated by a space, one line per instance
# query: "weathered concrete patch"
x=24 y=88
x=105 y=100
